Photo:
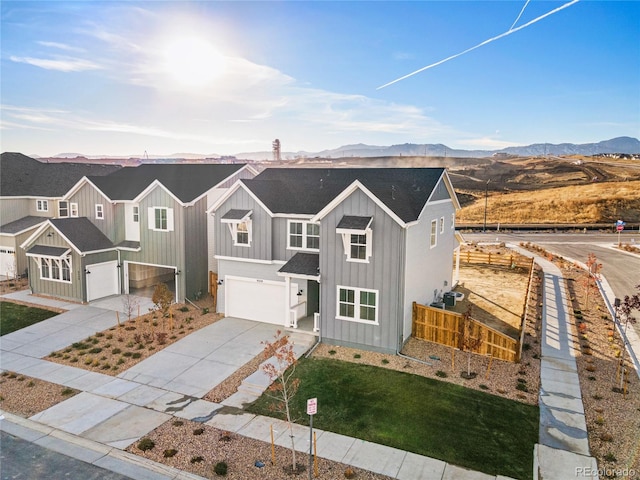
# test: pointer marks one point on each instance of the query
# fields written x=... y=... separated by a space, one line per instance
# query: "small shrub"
x=127 y=354
x=177 y=423
x=522 y=387
x=441 y=374
x=88 y=361
x=99 y=334
x=170 y=452
x=592 y=378
x=357 y=355
x=349 y=473
x=606 y=437
x=385 y=361
x=596 y=397
x=31 y=384
x=220 y=468
x=591 y=368
x=599 y=420
x=136 y=355
x=482 y=386
x=526 y=346
x=21 y=379
x=67 y=391
x=332 y=352
x=522 y=380
x=146 y=444
x=204 y=312
x=184 y=309
x=197 y=459
x=137 y=338
x=161 y=338
x=116 y=351
x=80 y=345
x=95 y=341
x=198 y=431
x=74 y=360
x=140 y=346
x=610 y=457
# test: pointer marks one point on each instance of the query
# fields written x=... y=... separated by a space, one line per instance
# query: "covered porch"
x=303 y=312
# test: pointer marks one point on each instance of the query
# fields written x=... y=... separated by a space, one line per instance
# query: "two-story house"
x=30 y=192
x=130 y=230
x=352 y=247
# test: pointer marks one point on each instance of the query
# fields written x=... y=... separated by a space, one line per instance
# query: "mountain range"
x=621 y=145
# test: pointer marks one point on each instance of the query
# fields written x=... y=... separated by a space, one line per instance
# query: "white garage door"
x=7 y=262
x=253 y=299
x=102 y=280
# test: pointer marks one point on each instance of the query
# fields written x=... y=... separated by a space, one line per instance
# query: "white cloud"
x=61 y=46
x=61 y=64
x=484 y=143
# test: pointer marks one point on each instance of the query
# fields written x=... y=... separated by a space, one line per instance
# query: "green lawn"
x=14 y=317
x=437 y=419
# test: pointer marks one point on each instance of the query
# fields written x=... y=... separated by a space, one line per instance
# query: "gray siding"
x=12 y=209
x=196 y=248
x=440 y=192
x=162 y=248
x=428 y=271
x=87 y=197
x=280 y=239
x=260 y=248
x=382 y=273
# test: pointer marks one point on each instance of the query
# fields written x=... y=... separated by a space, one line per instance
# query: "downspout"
x=402 y=268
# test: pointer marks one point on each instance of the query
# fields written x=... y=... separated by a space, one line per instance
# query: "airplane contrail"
x=508 y=32
x=520 y=14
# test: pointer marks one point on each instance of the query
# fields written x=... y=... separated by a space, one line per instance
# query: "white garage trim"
x=256 y=299
x=102 y=280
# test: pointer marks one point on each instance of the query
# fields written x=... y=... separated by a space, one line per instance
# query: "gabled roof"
x=185 y=181
x=403 y=191
x=22 y=176
x=302 y=264
x=47 y=251
x=82 y=235
x=21 y=225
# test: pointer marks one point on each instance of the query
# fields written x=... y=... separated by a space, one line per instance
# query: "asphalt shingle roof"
x=302 y=264
x=21 y=224
x=25 y=176
x=308 y=190
x=350 y=222
x=47 y=251
x=235 y=214
x=83 y=234
x=186 y=181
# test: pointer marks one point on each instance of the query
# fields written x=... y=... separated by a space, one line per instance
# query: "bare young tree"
x=466 y=341
x=284 y=384
x=130 y=305
x=625 y=314
x=593 y=270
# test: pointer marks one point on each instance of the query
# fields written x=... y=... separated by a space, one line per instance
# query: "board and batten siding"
x=87 y=197
x=280 y=239
x=261 y=225
x=160 y=247
x=12 y=209
x=428 y=271
x=195 y=233
x=68 y=291
x=383 y=273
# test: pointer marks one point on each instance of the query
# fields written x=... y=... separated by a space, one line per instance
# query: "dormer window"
x=42 y=205
x=239 y=222
x=357 y=237
x=303 y=235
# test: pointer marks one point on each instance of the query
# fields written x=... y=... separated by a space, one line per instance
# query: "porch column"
x=287 y=303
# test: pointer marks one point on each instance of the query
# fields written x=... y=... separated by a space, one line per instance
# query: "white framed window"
x=136 y=214
x=357 y=305
x=240 y=226
x=453 y=221
x=441 y=225
x=73 y=209
x=161 y=219
x=303 y=235
x=434 y=233
x=63 y=209
x=42 y=205
x=99 y=211
x=358 y=246
x=55 y=269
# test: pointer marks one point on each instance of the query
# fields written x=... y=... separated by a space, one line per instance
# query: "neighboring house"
x=351 y=248
x=30 y=192
x=129 y=231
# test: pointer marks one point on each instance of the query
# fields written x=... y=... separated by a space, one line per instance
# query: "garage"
x=7 y=262
x=255 y=299
x=102 y=280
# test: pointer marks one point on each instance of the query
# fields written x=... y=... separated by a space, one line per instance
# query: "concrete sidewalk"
x=111 y=413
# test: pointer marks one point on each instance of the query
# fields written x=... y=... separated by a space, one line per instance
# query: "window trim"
x=42 y=205
x=135 y=212
x=73 y=209
x=347 y=244
x=60 y=207
x=305 y=235
x=51 y=264
x=233 y=225
x=441 y=225
x=153 y=225
x=357 y=305
x=99 y=211
x=433 y=236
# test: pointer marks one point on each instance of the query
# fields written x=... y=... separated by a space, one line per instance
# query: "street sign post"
x=619 y=227
x=312 y=409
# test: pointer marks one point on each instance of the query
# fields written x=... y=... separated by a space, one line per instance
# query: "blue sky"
x=122 y=78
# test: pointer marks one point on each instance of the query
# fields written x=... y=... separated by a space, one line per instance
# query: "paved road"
x=621 y=269
x=22 y=460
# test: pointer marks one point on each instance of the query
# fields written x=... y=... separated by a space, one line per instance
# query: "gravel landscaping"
x=26 y=396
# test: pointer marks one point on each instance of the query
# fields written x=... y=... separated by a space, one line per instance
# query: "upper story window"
x=42 y=205
x=161 y=219
x=303 y=235
x=136 y=214
x=66 y=209
x=441 y=225
x=99 y=211
x=357 y=304
x=433 y=241
x=240 y=226
x=357 y=237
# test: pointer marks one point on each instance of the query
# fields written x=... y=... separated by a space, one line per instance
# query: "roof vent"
x=321 y=180
x=393 y=192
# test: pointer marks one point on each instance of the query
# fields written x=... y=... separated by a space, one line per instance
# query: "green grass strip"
x=458 y=425
x=14 y=317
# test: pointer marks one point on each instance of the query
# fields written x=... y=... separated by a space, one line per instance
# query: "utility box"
x=449 y=299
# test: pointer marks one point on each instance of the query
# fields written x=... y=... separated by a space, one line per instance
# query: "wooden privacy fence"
x=482 y=258
x=440 y=326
